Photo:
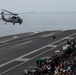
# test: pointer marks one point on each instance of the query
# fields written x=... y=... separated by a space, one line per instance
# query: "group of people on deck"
x=62 y=63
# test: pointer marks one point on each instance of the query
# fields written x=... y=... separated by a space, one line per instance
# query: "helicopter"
x=13 y=19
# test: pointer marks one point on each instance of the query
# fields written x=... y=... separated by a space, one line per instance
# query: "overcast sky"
x=38 y=5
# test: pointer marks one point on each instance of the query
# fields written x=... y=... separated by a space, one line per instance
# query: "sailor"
x=54 y=36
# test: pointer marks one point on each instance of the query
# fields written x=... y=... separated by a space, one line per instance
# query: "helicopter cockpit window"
x=13 y=17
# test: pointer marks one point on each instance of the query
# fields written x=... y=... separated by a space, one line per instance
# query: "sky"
x=38 y=5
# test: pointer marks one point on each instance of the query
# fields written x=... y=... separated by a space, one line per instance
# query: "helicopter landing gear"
x=13 y=23
x=20 y=23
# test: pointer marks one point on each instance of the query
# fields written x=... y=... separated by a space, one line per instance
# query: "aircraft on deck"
x=13 y=19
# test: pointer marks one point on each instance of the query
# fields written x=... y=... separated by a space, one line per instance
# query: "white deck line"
x=23 y=43
x=48 y=35
x=23 y=59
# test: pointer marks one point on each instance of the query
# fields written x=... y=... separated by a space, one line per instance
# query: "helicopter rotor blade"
x=9 y=12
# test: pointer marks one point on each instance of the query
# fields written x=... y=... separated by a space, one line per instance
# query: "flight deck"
x=20 y=51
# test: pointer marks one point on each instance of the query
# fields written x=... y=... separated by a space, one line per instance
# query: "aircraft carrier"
x=20 y=51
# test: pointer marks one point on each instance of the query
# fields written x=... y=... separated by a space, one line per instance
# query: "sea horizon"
x=39 y=21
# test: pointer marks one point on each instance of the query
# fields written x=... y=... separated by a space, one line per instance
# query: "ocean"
x=38 y=22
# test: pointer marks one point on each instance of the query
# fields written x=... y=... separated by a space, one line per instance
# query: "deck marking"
x=48 y=35
x=23 y=43
x=50 y=45
x=9 y=39
x=22 y=59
